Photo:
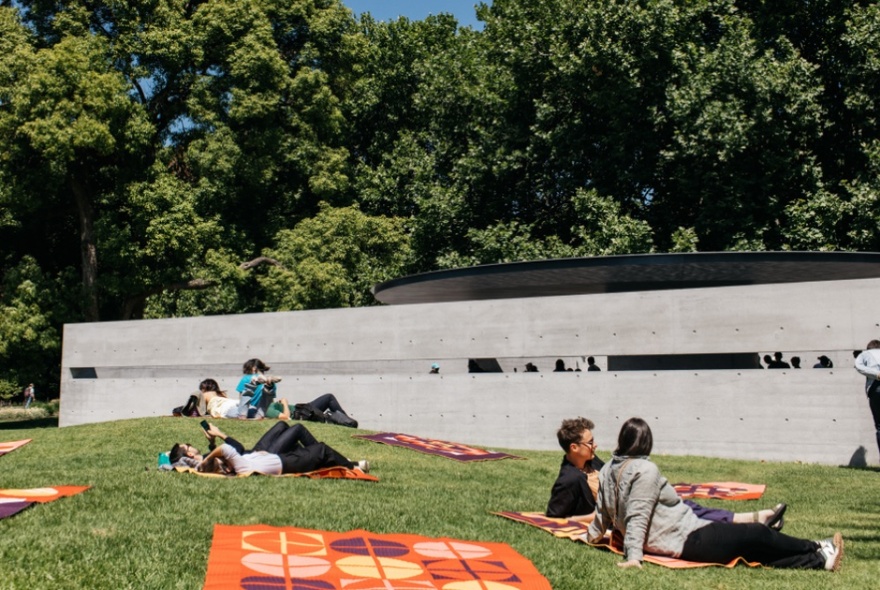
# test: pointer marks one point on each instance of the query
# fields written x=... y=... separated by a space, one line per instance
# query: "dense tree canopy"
x=174 y=158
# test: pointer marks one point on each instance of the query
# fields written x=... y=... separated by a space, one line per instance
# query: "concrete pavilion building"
x=679 y=339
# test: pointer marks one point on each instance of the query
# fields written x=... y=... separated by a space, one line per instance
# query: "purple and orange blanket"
x=430 y=446
x=572 y=529
x=14 y=501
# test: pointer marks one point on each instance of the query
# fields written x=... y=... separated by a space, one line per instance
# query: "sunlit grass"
x=141 y=528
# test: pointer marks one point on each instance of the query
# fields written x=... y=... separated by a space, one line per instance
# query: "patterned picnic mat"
x=326 y=473
x=8 y=447
x=260 y=556
x=577 y=531
x=13 y=501
x=724 y=490
x=450 y=450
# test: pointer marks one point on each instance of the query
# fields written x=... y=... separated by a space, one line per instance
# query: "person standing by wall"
x=868 y=364
x=29 y=395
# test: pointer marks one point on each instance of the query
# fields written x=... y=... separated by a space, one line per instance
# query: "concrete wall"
x=376 y=359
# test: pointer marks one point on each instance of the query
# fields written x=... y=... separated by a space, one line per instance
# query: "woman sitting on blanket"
x=574 y=492
x=638 y=503
x=283 y=449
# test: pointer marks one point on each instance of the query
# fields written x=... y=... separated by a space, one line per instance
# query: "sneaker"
x=832 y=551
x=364 y=465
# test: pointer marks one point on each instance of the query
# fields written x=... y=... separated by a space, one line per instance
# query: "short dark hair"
x=176 y=453
x=571 y=431
x=635 y=438
x=873 y=344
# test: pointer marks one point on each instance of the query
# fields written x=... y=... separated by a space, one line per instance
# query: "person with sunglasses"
x=575 y=490
x=637 y=503
x=283 y=449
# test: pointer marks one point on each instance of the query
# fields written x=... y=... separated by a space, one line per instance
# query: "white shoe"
x=832 y=551
x=364 y=465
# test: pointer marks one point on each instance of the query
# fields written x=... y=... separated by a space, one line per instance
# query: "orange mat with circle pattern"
x=260 y=556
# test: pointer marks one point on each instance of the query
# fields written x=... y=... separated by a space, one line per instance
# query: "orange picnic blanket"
x=326 y=473
x=8 y=447
x=250 y=556
x=577 y=531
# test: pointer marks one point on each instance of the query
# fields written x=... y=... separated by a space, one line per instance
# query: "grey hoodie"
x=637 y=501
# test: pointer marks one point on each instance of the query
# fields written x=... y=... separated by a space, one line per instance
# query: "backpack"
x=307 y=412
x=190 y=410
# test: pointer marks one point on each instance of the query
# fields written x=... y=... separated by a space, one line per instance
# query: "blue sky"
x=417 y=9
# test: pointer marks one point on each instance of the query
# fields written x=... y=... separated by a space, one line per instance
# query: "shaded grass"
x=141 y=528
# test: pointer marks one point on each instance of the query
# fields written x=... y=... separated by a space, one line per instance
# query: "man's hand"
x=213 y=431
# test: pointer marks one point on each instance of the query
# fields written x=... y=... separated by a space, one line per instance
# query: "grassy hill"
x=141 y=528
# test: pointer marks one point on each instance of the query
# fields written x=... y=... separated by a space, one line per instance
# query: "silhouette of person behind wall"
x=530 y=368
x=591 y=364
x=778 y=363
x=796 y=362
x=768 y=360
x=824 y=363
x=560 y=366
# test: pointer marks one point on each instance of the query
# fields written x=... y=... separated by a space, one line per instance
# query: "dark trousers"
x=715 y=514
x=720 y=542
x=874 y=402
x=326 y=402
x=299 y=450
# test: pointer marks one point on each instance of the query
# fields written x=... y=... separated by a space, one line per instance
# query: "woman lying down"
x=283 y=449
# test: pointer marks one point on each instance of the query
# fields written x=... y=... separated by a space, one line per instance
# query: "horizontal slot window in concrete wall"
x=678 y=362
x=83 y=373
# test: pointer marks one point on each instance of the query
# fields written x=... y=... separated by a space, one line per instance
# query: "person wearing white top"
x=868 y=364
x=283 y=449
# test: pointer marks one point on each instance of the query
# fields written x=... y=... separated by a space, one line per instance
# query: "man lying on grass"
x=574 y=492
x=283 y=449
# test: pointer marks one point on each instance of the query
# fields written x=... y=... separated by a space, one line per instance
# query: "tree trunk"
x=88 y=251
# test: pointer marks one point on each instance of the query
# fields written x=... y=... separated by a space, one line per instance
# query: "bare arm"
x=284 y=415
x=584 y=518
x=209 y=458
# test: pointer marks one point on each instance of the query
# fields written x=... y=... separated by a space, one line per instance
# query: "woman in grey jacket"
x=638 y=502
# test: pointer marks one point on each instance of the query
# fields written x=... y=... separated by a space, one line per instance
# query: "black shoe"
x=776 y=521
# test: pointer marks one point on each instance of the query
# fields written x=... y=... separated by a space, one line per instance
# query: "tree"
x=334 y=259
x=177 y=133
x=70 y=134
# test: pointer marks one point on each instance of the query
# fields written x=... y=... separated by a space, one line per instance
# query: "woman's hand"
x=630 y=563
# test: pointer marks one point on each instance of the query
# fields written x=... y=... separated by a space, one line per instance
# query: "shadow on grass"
x=26 y=424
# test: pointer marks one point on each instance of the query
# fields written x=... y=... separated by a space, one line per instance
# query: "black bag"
x=190 y=410
x=307 y=412
x=340 y=418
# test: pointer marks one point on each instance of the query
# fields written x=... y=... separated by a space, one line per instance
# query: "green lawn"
x=141 y=528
